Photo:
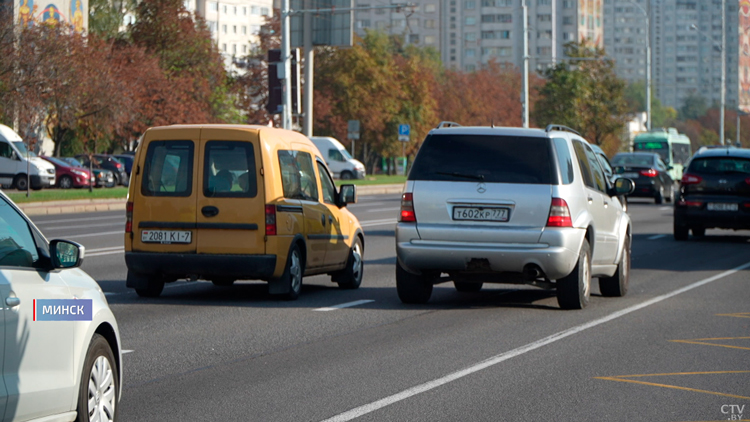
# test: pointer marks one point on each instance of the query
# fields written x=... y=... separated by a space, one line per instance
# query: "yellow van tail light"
x=129 y=217
x=270 y=220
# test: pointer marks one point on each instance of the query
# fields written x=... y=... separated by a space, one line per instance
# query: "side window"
x=229 y=170
x=660 y=165
x=329 y=189
x=168 y=170
x=297 y=175
x=335 y=155
x=600 y=181
x=17 y=247
x=564 y=161
x=5 y=150
x=583 y=163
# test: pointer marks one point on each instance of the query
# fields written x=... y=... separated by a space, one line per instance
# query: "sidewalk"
x=97 y=205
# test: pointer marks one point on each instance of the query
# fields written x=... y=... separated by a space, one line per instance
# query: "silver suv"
x=510 y=205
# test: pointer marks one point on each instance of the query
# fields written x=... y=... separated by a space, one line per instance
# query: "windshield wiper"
x=465 y=176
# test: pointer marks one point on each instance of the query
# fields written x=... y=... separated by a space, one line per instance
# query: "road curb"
x=98 y=205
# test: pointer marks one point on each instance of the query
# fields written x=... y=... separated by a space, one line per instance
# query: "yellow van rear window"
x=169 y=169
x=229 y=170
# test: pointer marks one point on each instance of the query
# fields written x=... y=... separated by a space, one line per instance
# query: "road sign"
x=403 y=132
x=353 y=129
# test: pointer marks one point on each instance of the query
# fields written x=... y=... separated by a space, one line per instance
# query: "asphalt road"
x=676 y=348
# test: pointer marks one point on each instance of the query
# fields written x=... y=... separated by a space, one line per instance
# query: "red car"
x=68 y=176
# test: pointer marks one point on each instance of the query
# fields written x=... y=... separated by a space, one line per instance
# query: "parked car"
x=104 y=178
x=53 y=369
x=609 y=172
x=714 y=193
x=341 y=164
x=511 y=205
x=16 y=162
x=69 y=176
x=127 y=161
x=650 y=174
x=107 y=162
x=259 y=204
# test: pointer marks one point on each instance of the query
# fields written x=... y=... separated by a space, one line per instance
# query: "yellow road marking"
x=675 y=387
x=680 y=373
x=737 y=315
x=702 y=341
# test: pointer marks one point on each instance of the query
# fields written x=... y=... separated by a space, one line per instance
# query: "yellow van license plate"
x=166 y=236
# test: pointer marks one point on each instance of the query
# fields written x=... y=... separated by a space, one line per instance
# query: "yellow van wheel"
x=351 y=276
x=291 y=280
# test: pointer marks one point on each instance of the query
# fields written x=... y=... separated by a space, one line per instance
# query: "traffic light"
x=275 y=85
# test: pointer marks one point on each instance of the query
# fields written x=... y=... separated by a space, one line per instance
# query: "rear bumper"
x=702 y=218
x=244 y=267
x=645 y=189
x=556 y=254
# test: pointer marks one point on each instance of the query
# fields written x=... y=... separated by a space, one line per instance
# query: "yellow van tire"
x=350 y=277
x=291 y=281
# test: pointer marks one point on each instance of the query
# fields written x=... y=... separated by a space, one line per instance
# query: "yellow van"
x=237 y=202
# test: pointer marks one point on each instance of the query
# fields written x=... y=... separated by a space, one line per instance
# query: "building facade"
x=234 y=24
x=71 y=12
x=470 y=33
x=685 y=46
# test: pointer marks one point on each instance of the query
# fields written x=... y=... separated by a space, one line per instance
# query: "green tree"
x=693 y=107
x=584 y=94
x=186 y=52
x=106 y=17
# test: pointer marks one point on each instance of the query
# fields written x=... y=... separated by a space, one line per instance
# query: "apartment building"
x=470 y=33
x=685 y=44
x=234 y=24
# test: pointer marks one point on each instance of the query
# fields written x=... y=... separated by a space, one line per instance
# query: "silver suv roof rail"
x=551 y=127
x=447 y=124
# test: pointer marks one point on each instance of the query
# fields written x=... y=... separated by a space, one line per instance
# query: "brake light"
x=129 y=217
x=649 y=173
x=747 y=180
x=559 y=214
x=684 y=203
x=270 y=220
x=691 y=179
x=118 y=165
x=407 y=209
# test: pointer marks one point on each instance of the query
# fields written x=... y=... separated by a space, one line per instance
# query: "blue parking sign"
x=403 y=130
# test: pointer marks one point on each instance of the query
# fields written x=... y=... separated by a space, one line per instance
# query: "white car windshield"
x=22 y=149
x=345 y=154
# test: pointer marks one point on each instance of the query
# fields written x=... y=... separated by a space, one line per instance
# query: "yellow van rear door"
x=164 y=200
x=231 y=202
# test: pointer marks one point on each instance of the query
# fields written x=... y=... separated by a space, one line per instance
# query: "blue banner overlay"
x=63 y=309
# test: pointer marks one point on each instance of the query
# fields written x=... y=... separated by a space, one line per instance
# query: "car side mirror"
x=347 y=195
x=66 y=254
x=623 y=186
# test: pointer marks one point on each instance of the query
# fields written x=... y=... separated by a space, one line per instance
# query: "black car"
x=107 y=162
x=609 y=172
x=127 y=160
x=648 y=171
x=714 y=193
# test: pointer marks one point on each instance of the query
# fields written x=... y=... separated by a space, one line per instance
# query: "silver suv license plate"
x=166 y=236
x=480 y=214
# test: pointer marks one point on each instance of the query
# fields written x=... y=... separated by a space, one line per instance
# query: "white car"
x=54 y=367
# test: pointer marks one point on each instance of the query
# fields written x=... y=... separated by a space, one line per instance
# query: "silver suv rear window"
x=486 y=158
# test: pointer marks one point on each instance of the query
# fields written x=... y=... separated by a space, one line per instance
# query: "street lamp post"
x=648 y=64
x=723 y=50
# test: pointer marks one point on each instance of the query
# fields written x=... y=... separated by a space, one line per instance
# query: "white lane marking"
x=92 y=255
x=64 y=236
x=127 y=351
x=344 y=305
x=79 y=220
x=111 y=293
x=378 y=222
x=361 y=203
x=108 y=248
x=82 y=227
x=430 y=385
x=658 y=236
x=665 y=208
x=384 y=209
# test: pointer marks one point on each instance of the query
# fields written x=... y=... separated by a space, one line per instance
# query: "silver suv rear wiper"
x=466 y=176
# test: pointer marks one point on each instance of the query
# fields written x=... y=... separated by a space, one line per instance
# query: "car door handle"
x=323 y=219
x=330 y=219
x=210 y=211
x=591 y=200
x=12 y=301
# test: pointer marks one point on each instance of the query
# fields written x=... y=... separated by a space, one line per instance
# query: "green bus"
x=673 y=148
